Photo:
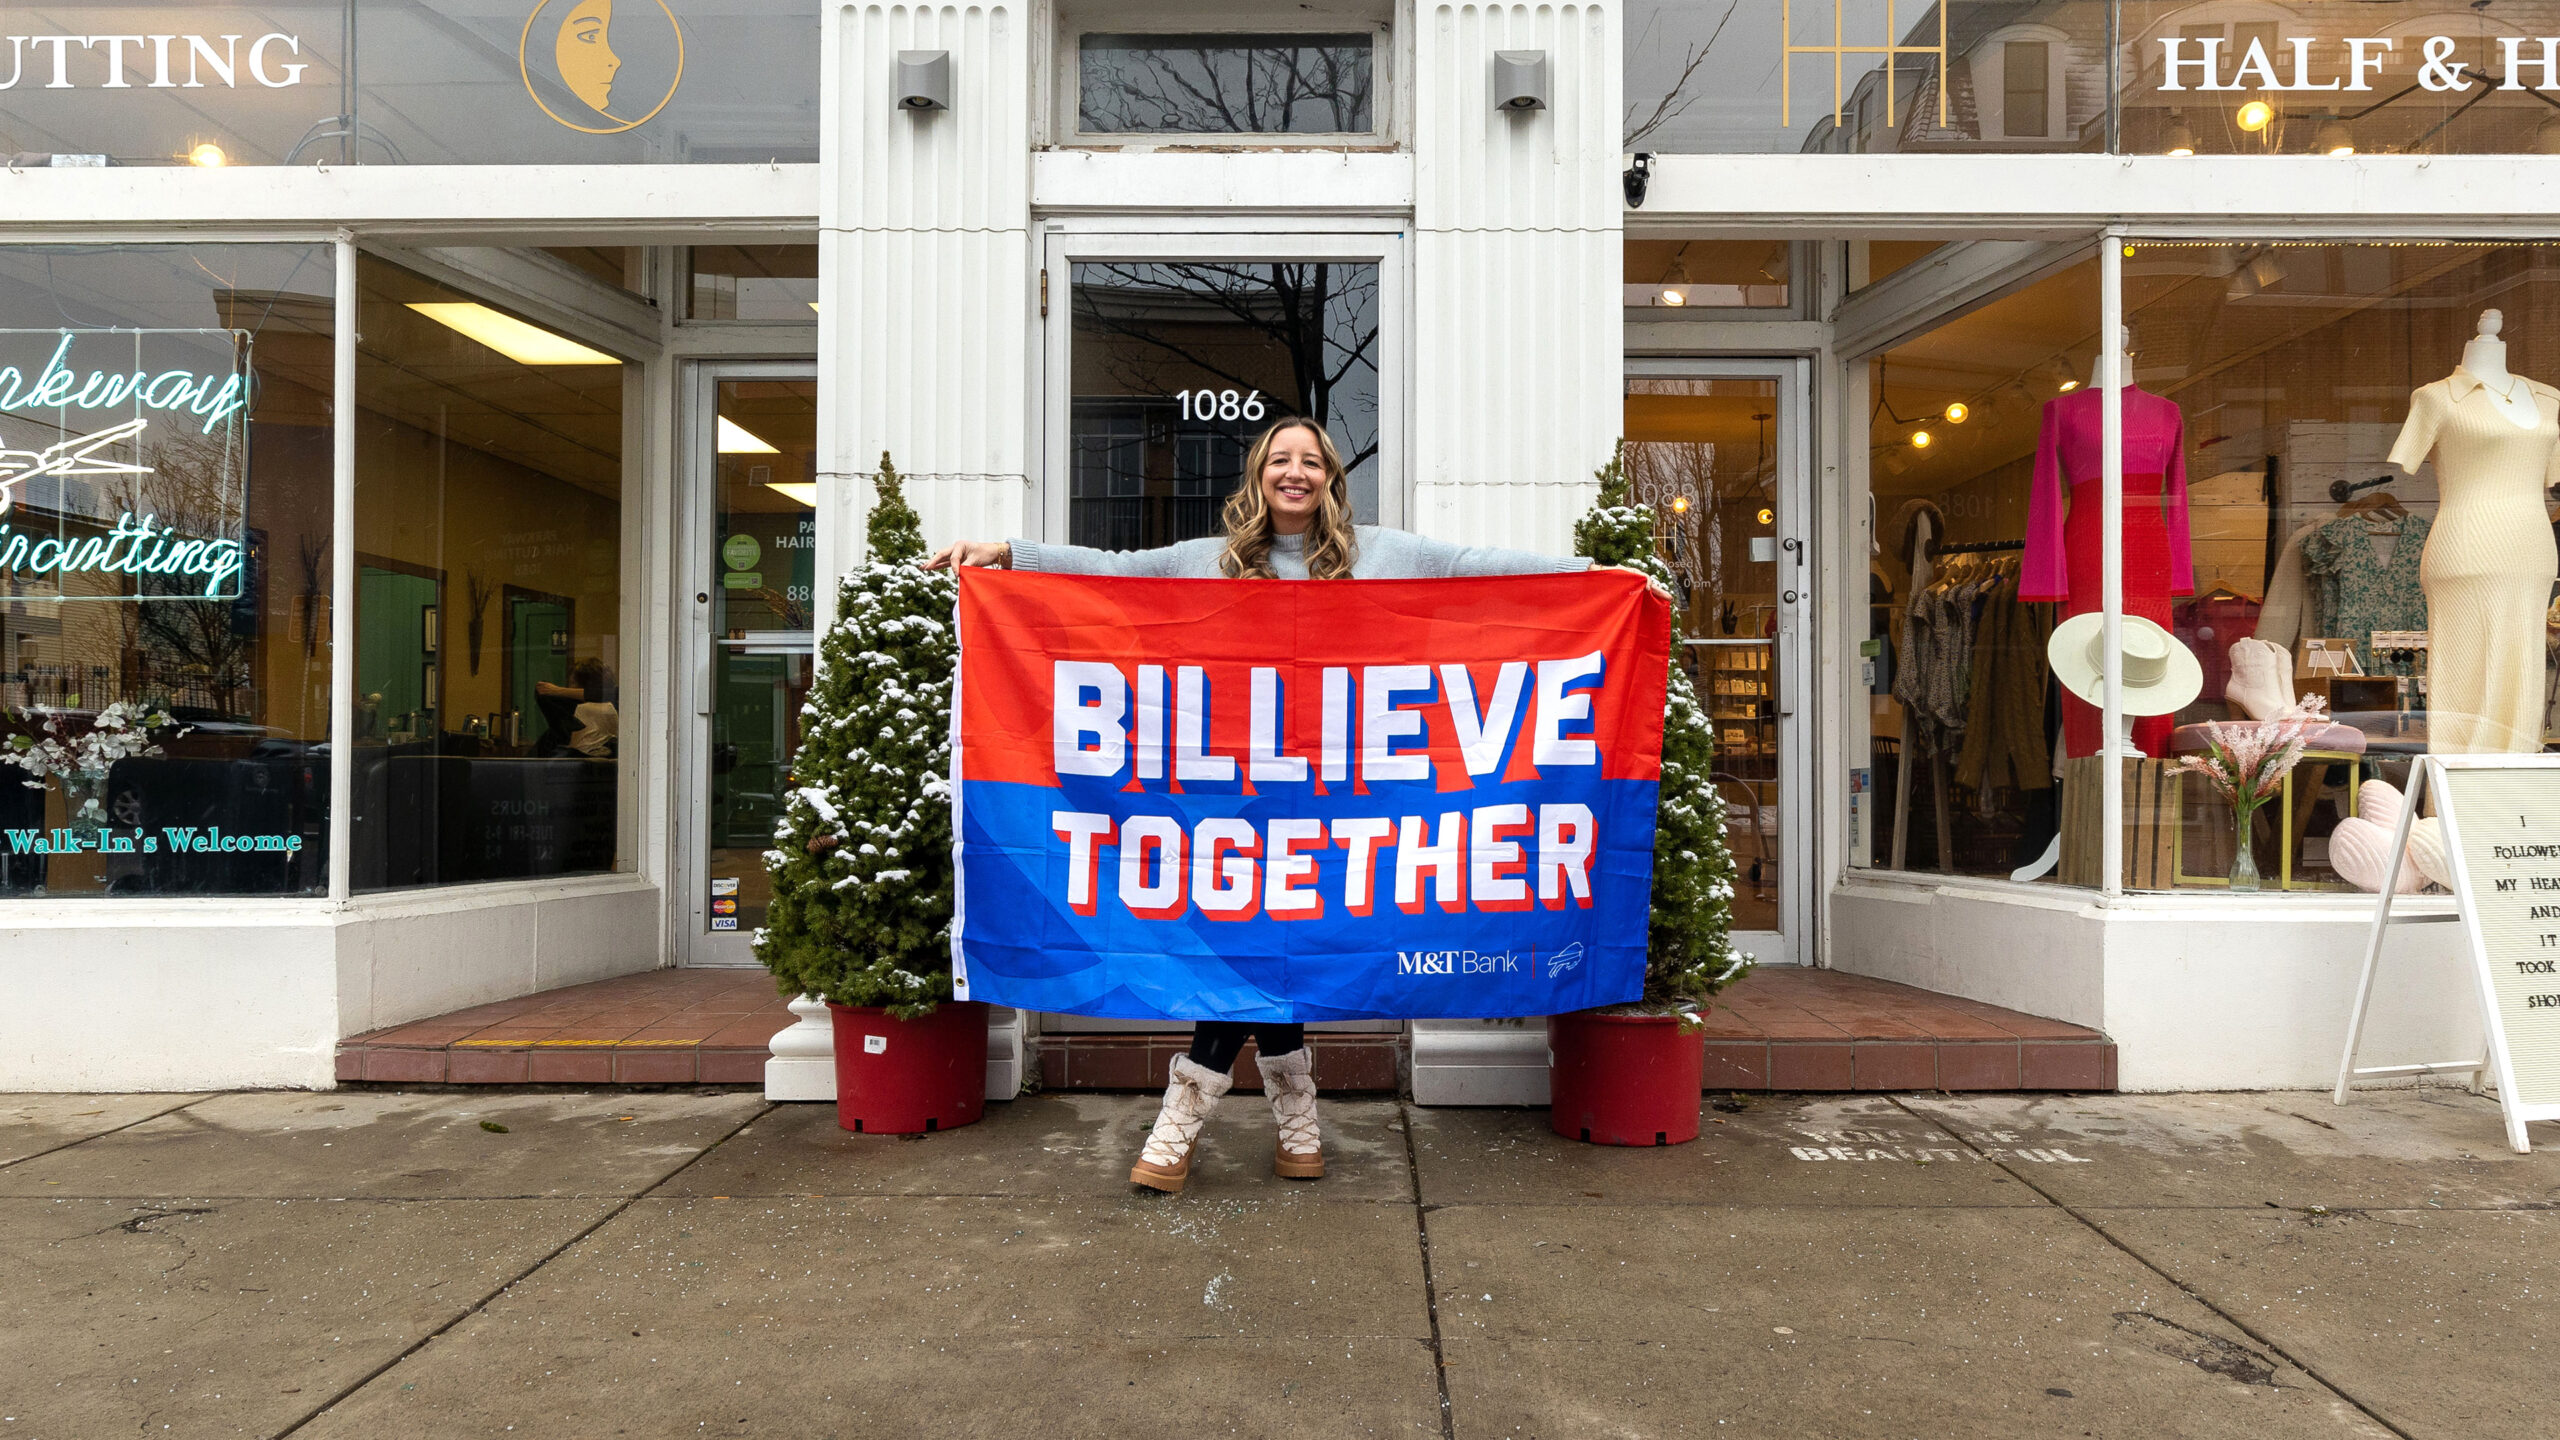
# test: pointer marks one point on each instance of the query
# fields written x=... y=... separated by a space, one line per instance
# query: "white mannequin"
x=2485 y=360
x=2124 y=347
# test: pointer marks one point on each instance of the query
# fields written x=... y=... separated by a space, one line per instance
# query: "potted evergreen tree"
x=1631 y=1074
x=861 y=865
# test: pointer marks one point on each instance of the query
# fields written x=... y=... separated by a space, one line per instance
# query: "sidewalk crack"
x=1430 y=1287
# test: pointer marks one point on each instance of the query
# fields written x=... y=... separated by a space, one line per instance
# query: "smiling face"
x=585 y=53
x=1294 y=479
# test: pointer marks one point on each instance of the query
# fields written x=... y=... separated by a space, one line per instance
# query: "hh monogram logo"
x=1839 y=49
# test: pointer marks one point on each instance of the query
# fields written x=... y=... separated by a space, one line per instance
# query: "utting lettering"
x=1491 y=859
x=198 y=56
x=1096 y=730
x=146 y=550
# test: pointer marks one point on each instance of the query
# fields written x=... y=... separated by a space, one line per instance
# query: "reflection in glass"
x=1707 y=274
x=762 y=542
x=489 y=595
x=422 y=82
x=777 y=284
x=1703 y=454
x=164 y=677
x=1178 y=365
x=1223 y=84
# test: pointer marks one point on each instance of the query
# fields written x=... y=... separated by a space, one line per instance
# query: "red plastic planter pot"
x=898 y=1077
x=1624 y=1079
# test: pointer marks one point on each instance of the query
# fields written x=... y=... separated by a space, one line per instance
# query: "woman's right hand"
x=986 y=553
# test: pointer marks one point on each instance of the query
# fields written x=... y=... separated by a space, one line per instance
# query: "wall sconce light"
x=1520 y=80
x=924 y=80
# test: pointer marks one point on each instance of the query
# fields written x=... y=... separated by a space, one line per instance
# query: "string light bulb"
x=1767 y=514
x=1957 y=411
x=1921 y=440
x=2070 y=385
x=208 y=156
x=1679 y=504
x=2254 y=116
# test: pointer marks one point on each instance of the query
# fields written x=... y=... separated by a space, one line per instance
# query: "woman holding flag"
x=1289 y=519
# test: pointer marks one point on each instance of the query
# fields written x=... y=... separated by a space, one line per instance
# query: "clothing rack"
x=1981 y=547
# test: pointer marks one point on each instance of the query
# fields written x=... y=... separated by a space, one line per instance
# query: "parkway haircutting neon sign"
x=178 y=504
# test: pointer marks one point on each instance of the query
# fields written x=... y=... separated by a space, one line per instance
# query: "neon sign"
x=136 y=547
x=214 y=398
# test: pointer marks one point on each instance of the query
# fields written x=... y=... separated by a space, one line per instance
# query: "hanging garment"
x=2356 y=591
x=2063 y=556
x=2490 y=562
x=2287 y=609
x=2004 y=735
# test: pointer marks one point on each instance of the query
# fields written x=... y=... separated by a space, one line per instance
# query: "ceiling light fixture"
x=2254 y=116
x=524 y=344
x=208 y=156
x=1957 y=411
x=736 y=439
x=2335 y=138
x=1672 y=295
x=2182 y=137
x=804 y=491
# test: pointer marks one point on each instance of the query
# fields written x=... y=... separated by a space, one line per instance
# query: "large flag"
x=1305 y=800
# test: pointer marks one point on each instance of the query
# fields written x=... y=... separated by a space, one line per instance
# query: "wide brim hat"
x=2161 y=675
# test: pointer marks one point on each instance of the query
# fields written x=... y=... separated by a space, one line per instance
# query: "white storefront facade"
x=566 y=407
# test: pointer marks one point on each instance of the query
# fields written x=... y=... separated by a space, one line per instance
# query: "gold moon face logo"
x=588 y=65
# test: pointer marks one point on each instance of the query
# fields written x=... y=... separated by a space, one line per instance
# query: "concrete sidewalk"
x=380 y=1264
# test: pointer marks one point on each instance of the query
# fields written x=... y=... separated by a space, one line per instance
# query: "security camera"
x=1520 y=80
x=1638 y=176
x=924 y=80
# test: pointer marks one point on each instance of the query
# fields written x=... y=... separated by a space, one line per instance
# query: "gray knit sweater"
x=1381 y=554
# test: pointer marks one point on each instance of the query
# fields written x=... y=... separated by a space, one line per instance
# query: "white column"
x=925 y=323
x=1518 y=351
x=1518 y=355
x=2112 y=378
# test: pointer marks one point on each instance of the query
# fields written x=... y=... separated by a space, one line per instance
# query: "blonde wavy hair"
x=1332 y=544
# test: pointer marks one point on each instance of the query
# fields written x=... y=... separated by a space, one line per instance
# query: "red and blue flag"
x=1288 y=800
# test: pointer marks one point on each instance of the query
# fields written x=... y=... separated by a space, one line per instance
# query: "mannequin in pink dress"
x=2063 y=555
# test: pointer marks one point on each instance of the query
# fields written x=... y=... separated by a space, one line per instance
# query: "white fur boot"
x=1290 y=1081
x=1189 y=1096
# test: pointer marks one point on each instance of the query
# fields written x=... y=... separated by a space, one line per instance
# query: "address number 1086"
x=1208 y=404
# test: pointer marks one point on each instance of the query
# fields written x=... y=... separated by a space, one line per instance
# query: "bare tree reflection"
x=1224 y=84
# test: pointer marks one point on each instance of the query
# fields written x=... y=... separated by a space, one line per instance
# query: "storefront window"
x=1866 y=76
x=165 y=482
x=773 y=284
x=1178 y=365
x=489 y=476
x=428 y=82
x=2337 y=464
x=2339 y=77
x=1707 y=274
x=1968 y=732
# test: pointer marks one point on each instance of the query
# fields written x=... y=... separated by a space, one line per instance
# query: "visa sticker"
x=724 y=922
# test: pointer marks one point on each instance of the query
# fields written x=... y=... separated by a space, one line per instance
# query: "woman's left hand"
x=1660 y=590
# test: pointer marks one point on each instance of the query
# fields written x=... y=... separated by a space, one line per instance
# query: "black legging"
x=1215 y=1044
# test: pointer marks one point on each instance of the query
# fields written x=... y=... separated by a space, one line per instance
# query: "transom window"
x=1226 y=84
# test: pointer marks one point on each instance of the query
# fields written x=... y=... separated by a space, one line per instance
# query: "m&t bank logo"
x=1456 y=962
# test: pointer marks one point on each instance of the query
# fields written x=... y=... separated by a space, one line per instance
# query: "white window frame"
x=1385 y=246
x=1990 y=62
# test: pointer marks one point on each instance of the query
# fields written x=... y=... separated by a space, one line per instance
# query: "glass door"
x=751 y=564
x=1167 y=356
x=1717 y=448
